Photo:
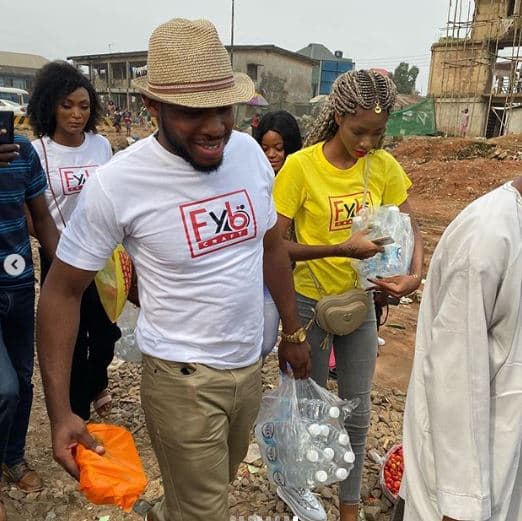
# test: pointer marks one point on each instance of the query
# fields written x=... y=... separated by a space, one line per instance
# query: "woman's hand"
x=358 y=246
x=399 y=285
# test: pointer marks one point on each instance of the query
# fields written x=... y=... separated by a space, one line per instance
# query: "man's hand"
x=8 y=153
x=358 y=246
x=297 y=356
x=66 y=434
x=398 y=286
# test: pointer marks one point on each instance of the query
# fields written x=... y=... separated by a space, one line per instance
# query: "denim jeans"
x=16 y=371
x=355 y=356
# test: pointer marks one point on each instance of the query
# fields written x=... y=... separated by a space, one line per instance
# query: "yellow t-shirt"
x=322 y=199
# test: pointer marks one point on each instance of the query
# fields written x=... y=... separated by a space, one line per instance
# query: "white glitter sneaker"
x=302 y=503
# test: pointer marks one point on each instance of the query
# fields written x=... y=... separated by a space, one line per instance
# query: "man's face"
x=197 y=135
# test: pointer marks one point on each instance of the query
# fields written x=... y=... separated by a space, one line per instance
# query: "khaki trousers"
x=199 y=420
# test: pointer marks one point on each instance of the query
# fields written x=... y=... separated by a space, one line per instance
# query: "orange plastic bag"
x=114 y=281
x=117 y=477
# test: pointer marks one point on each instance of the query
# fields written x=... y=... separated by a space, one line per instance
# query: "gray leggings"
x=355 y=356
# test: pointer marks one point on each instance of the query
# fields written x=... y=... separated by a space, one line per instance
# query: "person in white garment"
x=192 y=204
x=63 y=111
x=463 y=416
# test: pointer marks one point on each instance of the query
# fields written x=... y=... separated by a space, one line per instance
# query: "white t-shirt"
x=69 y=169
x=196 y=240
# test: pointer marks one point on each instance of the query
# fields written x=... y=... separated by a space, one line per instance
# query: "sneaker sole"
x=293 y=508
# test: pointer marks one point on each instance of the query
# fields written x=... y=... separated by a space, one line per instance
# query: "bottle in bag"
x=341 y=455
x=391 y=260
x=328 y=474
x=317 y=410
x=329 y=435
x=271 y=435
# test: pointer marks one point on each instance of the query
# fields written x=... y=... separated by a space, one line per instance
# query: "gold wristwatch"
x=297 y=337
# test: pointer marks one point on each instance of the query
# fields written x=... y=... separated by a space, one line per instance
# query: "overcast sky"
x=375 y=33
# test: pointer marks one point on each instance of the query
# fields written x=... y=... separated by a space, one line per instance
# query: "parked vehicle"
x=15 y=107
x=15 y=95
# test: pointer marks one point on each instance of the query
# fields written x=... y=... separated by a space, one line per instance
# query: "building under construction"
x=476 y=69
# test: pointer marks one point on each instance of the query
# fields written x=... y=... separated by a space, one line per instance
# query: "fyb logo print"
x=74 y=177
x=218 y=222
x=343 y=208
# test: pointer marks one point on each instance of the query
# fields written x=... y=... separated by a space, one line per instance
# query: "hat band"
x=185 y=88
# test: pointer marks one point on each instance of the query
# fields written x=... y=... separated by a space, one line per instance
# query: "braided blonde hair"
x=365 y=89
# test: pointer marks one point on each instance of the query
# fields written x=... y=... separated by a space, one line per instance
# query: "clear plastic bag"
x=301 y=435
x=386 y=221
x=126 y=347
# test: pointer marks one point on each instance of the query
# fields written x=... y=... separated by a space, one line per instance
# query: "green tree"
x=405 y=77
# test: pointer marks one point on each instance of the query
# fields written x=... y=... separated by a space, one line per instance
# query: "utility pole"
x=109 y=72
x=232 y=38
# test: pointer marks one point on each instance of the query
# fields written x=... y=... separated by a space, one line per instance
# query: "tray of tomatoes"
x=391 y=472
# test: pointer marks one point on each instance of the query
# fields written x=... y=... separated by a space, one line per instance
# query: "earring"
x=377 y=109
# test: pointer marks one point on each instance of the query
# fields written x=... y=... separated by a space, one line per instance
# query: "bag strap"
x=366 y=178
x=316 y=282
x=49 y=181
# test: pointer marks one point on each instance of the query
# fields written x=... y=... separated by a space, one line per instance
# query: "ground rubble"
x=250 y=494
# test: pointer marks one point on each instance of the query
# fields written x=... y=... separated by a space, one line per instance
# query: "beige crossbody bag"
x=342 y=314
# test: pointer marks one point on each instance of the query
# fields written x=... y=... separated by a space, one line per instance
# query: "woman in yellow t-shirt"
x=322 y=188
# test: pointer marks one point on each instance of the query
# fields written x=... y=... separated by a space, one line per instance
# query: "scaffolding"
x=477 y=65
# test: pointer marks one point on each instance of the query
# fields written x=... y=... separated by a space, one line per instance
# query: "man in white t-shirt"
x=192 y=205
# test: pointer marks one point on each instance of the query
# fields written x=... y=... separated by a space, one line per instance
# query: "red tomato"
x=393 y=471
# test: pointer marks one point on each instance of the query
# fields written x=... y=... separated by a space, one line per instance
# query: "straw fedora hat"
x=188 y=65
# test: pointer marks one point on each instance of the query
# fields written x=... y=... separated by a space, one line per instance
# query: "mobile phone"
x=6 y=127
x=383 y=241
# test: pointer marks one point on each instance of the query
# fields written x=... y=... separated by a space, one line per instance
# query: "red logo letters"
x=218 y=222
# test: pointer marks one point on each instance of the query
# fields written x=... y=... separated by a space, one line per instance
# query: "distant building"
x=18 y=69
x=112 y=73
x=293 y=69
x=283 y=77
x=477 y=67
x=330 y=66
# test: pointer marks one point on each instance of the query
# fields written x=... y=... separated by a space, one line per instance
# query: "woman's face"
x=362 y=131
x=73 y=112
x=273 y=147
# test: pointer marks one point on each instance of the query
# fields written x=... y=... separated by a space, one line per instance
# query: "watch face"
x=302 y=336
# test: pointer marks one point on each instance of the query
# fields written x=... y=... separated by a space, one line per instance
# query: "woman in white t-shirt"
x=63 y=111
x=278 y=135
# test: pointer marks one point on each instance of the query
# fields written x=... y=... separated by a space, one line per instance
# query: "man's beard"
x=180 y=150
